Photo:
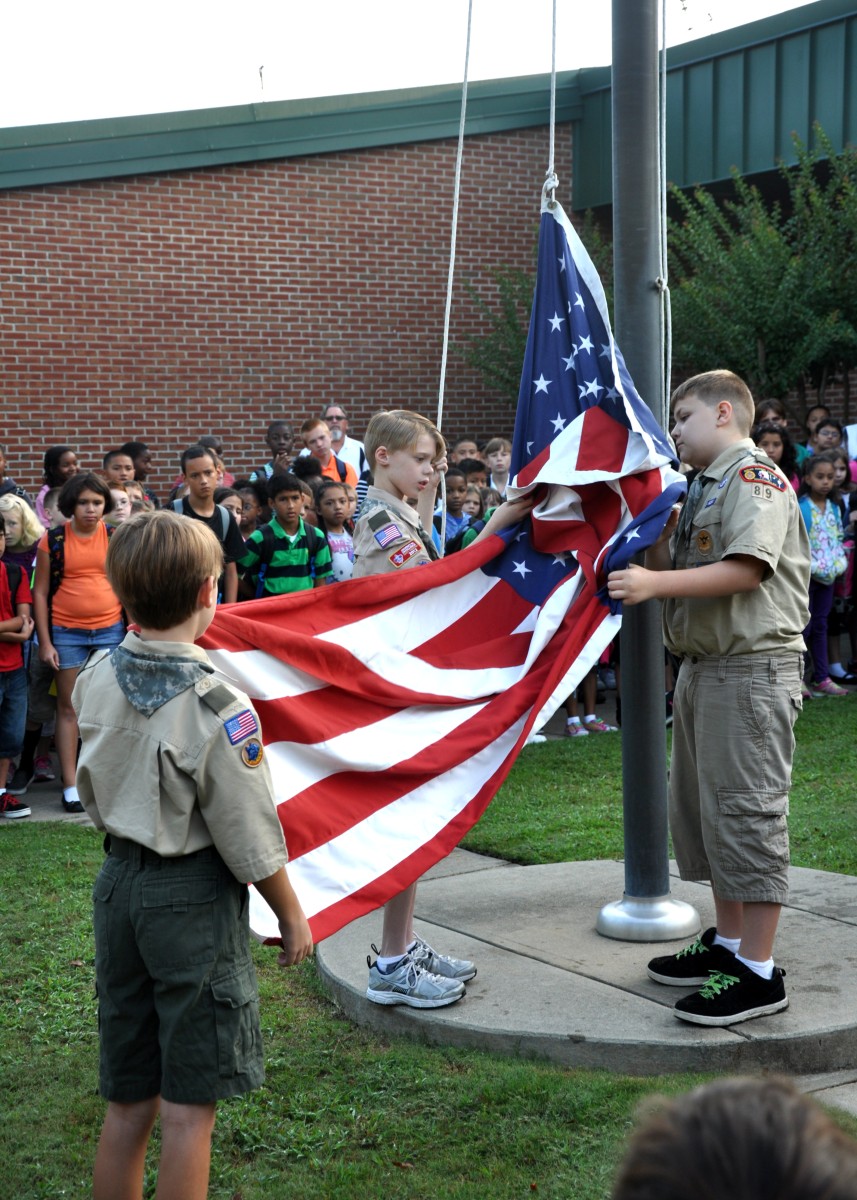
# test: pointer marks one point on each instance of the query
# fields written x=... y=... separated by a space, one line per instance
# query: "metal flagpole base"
x=648 y=919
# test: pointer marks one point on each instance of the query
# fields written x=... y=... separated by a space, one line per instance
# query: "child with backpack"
x=287 y=554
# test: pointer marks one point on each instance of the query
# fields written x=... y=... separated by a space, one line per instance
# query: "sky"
x=71 y=61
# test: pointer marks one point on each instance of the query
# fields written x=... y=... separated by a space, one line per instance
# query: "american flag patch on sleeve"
x=389 y=533
x=240 y=727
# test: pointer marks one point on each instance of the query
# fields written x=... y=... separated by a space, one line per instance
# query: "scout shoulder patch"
x=252 y=753
x=402 y=553
x=241 y=726
x=763 y=476
x=388 y=533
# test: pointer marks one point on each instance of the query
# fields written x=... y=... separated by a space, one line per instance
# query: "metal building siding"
x=738 y=105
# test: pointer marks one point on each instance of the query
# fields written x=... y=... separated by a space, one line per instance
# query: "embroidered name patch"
x=760 y=474
x=388 y=533
x=242 y=726
x=400 y=556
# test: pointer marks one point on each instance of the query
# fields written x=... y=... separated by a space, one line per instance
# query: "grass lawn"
x=345 y=1113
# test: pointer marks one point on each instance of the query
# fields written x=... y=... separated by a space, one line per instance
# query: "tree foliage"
x=765 y=291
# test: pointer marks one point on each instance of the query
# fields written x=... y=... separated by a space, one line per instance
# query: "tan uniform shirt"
x=388 y=536
x=172 y=757
x=747 y=507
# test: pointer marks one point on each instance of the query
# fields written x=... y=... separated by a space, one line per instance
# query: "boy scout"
x=407 y=455
x=737 y=626
x=173 y=769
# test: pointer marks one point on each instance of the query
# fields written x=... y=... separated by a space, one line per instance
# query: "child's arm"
x=24 y=623
x=47 y=653
x=510 y=512
x=741 y=573
x=279 y=894
x=230 y=583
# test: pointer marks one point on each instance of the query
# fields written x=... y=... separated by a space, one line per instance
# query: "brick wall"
x=161 y=307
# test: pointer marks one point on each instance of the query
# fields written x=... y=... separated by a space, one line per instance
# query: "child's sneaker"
x=20 y=782
x=409 y=984
x=42 y=770
x=440 y=964
x=827 y=688
x=11 y=807
x=738 y=995
x=691 y=966
x=597 y=726
x=575 y=729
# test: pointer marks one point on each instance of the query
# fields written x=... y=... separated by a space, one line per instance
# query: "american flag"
x=392 y=707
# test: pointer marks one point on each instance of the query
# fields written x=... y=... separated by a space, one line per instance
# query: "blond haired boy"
x=407 y=456
x=735 y=586
x=173 y=769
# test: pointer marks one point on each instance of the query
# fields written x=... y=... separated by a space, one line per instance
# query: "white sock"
x=589 y=717
x=730 y=943
x=573 y=721
x=387 y=964
x=765 y=969
x=69 y=794
x=837 y=671
x=2 y=791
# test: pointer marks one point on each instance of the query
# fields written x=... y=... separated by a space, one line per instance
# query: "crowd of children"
x=288 y=525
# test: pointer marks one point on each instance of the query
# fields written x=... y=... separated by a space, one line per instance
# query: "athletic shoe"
x=11 y=807
x=440 y=964
x=72 y=806
x=607 y=676
x=827 y=688
x=575 y=729
x=735 y=996
x=691 y=966
x=597 y=726
x=535 y=739
x=43 y=772
x=409 y=984
x=20 y=782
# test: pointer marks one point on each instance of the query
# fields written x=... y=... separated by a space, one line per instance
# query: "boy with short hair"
x=16 y=626
x=457 y=520
x=194 y=820
x=407 y=455
x=475 y=471
x=737 y=625
x=200 y=474
x=117 y=467
x=316 y=436
x=287 y=554
x=279 y=438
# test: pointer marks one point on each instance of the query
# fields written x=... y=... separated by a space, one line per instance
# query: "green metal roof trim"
x=735 y=98
x=74 y=151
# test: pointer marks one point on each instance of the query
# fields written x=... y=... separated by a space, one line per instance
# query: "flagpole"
x=646 y=911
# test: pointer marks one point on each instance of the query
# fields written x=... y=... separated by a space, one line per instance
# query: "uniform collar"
x=152 y=673
x=725 y=461
x=400 y=507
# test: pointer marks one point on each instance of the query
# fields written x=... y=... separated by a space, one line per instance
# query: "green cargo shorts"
x=178 y=1004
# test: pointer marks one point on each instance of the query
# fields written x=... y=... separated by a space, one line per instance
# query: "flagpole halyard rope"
x=551 y=180
x=663 y=279
x=451 y=273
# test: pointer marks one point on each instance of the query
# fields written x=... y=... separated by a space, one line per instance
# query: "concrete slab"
x=549 y=986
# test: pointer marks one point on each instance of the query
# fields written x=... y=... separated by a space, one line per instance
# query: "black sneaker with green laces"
x=733 y=996
x=690 y=967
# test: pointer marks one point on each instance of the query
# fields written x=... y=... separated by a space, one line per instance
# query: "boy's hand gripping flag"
x=393 y=706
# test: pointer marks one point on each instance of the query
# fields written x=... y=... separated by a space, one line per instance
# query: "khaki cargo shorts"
x=730 y=774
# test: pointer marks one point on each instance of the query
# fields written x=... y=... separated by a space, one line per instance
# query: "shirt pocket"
x=705 y=536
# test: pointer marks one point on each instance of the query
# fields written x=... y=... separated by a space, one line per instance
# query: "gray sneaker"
x=409 y=984
x=442 y=964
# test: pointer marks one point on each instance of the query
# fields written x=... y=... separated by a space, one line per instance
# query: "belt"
x=128 y=851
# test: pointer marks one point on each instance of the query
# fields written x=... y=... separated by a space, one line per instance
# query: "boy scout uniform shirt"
x=747 y=506
x=388 y=536
x=172 y=757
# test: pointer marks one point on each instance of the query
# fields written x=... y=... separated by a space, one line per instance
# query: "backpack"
x=314 y=540
x=178 y=506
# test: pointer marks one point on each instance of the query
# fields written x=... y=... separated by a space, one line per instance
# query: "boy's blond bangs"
x=156 y=564
x=399 y=429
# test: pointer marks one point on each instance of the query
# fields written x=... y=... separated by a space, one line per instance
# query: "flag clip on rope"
x=393 y=706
